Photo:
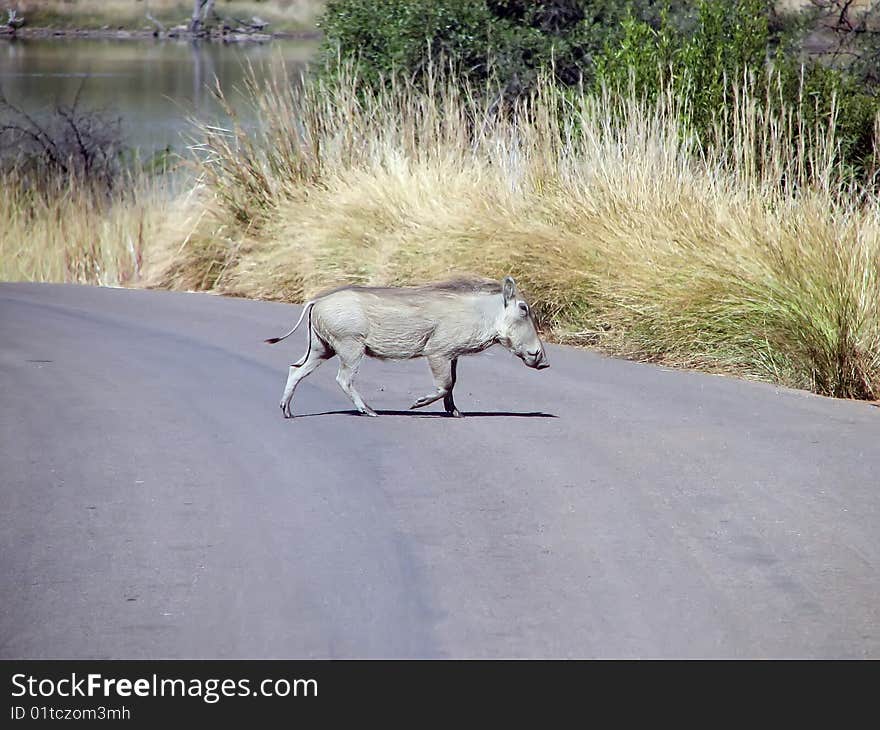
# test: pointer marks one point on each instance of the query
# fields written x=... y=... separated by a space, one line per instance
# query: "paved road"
x=155 y=504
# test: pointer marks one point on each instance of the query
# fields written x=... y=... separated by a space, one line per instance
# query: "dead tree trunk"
x=201 y=10
x=195 y=22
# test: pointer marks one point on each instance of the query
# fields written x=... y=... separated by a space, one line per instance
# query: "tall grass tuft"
x=749 y=251
x=64 y=230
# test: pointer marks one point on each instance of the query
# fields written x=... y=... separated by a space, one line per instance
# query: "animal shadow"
x=435 y=414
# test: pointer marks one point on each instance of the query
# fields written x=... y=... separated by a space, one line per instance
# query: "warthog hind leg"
x=444 y=377
x=318 y=353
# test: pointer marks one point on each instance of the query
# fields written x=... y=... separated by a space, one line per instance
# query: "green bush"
x=732 y=44
x=510 y=41
x=701 y=65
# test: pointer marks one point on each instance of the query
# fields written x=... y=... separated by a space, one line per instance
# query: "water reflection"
x=154 y=86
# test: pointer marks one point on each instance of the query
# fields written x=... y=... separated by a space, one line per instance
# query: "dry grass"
x=70 y=233
x=741 y=257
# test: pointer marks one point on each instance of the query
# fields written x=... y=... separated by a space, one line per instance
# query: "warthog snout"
x=537 y=360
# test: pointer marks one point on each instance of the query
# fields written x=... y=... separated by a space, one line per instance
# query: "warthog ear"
x=508 y=289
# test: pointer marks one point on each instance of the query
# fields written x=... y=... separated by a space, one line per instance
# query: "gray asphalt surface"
x=156 y=505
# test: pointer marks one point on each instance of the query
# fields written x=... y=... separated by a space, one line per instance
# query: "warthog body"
x=440 y=322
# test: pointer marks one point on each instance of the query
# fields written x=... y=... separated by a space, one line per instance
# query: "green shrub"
x=731 y=45
x=508 y=40
x=701 y=65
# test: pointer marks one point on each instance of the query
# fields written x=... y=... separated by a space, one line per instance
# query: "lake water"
x=153 y=86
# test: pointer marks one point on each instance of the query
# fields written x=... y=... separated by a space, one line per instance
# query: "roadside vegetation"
x=68 y=232
x=704 y=194
x=76 y=205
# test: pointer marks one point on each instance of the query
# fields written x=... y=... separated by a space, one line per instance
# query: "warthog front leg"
x=349 y=362
x=448 y=403
x=444 y=377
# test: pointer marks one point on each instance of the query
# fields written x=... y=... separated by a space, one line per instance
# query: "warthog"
x=440 y=322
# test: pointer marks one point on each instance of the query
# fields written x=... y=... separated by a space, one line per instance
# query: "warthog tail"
x=307 y=307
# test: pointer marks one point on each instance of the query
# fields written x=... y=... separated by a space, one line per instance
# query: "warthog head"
x=516 y=328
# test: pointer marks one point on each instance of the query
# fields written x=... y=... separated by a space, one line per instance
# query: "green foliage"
x=700 y=65
x=509 y=40
x=402 y=36
x=731 y=45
